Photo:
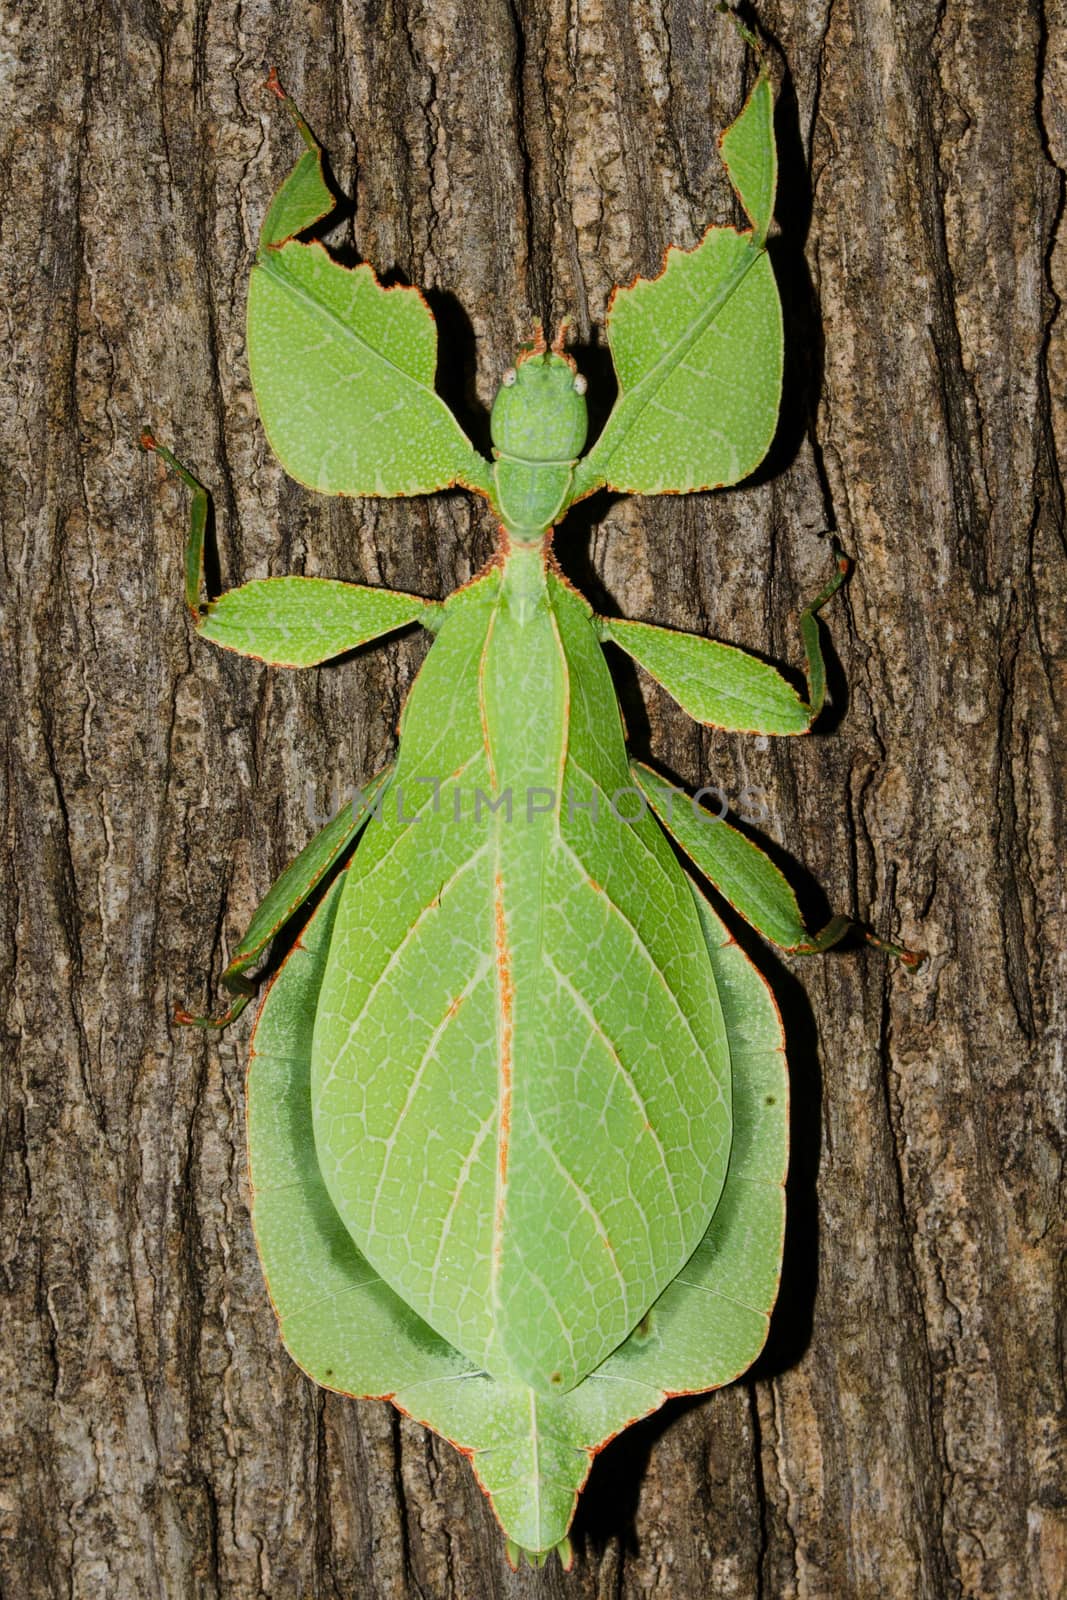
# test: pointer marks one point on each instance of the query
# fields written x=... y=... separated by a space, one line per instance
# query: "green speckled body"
x=517 y=1107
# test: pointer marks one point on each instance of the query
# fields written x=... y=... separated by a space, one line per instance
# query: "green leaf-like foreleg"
x=305 y=197
x=342 y=366
x=698 y=349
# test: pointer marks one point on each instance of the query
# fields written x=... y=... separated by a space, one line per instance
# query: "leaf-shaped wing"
x=343 y=372
x=520 y=1076
x=338 y=1320
x=698 y=350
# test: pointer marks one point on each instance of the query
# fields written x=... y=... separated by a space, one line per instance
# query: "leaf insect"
x=517 y=1102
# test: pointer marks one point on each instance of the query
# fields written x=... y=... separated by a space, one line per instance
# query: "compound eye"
x=509 y=378
x=581 y=384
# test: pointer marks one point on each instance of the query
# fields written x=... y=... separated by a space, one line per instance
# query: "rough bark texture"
x=901 y=1436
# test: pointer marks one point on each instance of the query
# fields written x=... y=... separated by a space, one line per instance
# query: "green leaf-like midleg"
x=815 y=668
x=285 y=897
x=744 y=875
x=291 y=622
x=724 y=687
x=199 y=512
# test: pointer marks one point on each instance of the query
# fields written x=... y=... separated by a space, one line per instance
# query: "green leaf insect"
x=517 y=1106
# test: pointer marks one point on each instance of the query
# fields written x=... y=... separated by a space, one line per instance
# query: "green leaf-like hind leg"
x=285 y=897
x=739 y=869
x=263 y=618
x=287 y=622
x=744 y=875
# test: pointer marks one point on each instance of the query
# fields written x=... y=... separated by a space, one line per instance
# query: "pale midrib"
x=472 y=1373
x=505 y=1023
x=619 y=1377
x=535 y=1461
x=498 y=941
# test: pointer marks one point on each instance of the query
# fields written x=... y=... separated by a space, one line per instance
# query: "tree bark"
x=902 y=1435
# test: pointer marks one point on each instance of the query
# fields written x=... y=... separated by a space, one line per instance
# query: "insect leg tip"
x=912 y=959
x=190 y=1019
